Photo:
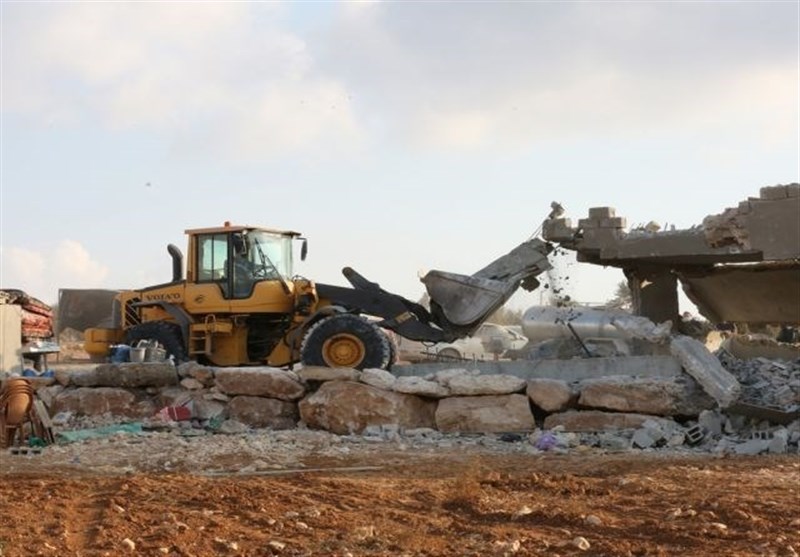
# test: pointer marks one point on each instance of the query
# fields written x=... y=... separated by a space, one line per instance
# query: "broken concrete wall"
x=763 y=231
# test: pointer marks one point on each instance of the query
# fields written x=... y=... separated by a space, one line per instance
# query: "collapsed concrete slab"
x=595 y=420
x=266 y=382
x=484 y=414
x=566 y=370
x=345 y=407
x=649 y=395
x=763 y=232
x=263 y=412
x=706 y=369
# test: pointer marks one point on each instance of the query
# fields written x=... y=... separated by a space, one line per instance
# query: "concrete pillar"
x=10 y=338
x=655 y=293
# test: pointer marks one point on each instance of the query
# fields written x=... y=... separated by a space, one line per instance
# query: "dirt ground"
x=449 y=503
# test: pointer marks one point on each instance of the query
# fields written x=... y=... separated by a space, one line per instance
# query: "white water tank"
x=541 y=323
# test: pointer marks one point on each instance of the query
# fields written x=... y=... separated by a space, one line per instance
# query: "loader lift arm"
x=459 y=303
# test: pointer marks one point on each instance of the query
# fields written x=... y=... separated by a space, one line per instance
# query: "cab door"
x=208 y=289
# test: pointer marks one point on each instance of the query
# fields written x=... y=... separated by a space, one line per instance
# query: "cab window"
x=212 y=255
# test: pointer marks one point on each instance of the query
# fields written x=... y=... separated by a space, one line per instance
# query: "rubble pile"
x=772 y=383
x=614 y=413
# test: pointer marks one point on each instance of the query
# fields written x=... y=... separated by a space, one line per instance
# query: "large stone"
x=551 y=395
x=485 y=414
x=263 y=412
x=420 y=387
x=595 y=420
x=378 y=378
x=86 y=401
x=320 y=373
x=48 y=394
x=202 y=373
x=648 y=395
x=64 y=375
x=127 y=375
x=478 y=385
x=345 y=407
x=444 y=376
x=258 y=381
x=206 y=409
x=701 y=364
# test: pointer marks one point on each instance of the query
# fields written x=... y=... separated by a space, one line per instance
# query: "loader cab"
x=237 y=258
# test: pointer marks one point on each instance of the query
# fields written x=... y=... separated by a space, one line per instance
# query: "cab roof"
x=227 y=227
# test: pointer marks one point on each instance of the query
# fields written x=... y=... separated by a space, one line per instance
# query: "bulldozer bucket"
x=462 y=303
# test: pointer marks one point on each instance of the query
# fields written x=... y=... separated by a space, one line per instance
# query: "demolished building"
x=741 y=266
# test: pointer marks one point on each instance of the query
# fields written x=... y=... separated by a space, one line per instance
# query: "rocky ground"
x=301 y=492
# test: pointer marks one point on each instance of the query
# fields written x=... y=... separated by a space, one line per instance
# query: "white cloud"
x=238 y=79
x=41 y=273
x=224 y=72
x=489 y=75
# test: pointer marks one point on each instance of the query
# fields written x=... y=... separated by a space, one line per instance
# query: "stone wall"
x=346 y=401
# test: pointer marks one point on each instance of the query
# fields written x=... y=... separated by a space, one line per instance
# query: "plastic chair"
x=16 y=402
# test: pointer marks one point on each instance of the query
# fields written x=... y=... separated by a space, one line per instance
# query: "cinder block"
x=602 y=212
x=774 y=192
x=615 y=222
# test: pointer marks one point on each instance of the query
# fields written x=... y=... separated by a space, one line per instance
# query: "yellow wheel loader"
x=240 y=303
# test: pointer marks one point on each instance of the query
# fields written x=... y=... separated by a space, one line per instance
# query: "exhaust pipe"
x=177 y=262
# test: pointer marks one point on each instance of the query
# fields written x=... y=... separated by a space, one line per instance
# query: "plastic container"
x=137 y=353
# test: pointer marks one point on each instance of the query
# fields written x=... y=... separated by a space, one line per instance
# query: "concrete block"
x=698 y=362
x=645 y=437
x=774 y=192
x=745 y=207
x=555 y=230
x=616 y=222
x=602 y=212
x=588 y=223
x=695 y=434
x=779 y=443
x=752 y=447
x=711 y=421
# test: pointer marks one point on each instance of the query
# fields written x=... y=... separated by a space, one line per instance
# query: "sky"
x=399 y=137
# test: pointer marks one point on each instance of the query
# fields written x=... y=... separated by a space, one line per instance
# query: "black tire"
x=167 y=334
x=346 y=340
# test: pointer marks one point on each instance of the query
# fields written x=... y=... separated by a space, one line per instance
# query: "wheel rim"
x=343 y=350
